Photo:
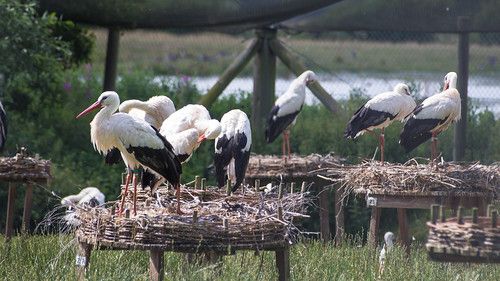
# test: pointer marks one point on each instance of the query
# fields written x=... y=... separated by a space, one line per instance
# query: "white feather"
x=154 y=111
x=293 y=99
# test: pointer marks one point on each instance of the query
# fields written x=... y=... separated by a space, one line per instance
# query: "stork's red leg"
x=382 y=145
x=124 y=194
x=433 y=147
x=283 y=147
x=288 y=143
x=178 y=195
x=134 y=183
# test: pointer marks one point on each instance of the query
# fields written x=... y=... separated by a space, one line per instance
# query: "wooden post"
x=280 y=190
x=293 y=63
x=324 y=215
x=339 y=215
x=264 y=79
x=283 y=256
x=257 y=185
x=494 y=215
x=156 y=270
x=442 y=213
x=228 y=187
x=374 y=223
x=233 y=69
x=11 y=200
x=28 y=199
x=404 y=236
x=462 y=84
x=110 y=69
x=82 y=260
x=460 y=215
x=474 y=215
x=292 y=187
x=434 y=213
x=197 y=182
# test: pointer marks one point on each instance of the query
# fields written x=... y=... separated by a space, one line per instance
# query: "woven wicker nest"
x=297 y=166
x=412 y=178
x=239 y=221
x=467 y=241
x=24 y=168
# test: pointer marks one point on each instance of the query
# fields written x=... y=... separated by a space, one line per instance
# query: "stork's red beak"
x=446 y=86
x=201 y=138
x=95 y=105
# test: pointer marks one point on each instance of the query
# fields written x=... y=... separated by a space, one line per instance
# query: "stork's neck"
x=453 y=83
x=126 y=106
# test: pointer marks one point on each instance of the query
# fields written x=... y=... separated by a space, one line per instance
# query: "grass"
x=206 y=53
x=53 y=258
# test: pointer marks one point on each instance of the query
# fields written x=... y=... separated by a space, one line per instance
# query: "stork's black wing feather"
x=276 y=125
x=365 y=118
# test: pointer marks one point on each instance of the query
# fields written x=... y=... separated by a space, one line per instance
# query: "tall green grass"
x=53 y=258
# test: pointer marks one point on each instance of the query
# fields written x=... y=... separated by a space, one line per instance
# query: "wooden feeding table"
x=214 y=223
x=418 y=186
x=17 y=170
x=304 y=170
x=464 y=239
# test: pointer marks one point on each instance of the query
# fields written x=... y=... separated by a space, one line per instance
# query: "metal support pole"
x=264 y=80
x=462 y=83
x=110 y=68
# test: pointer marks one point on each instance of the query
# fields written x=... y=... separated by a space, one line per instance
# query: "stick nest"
x=222 y=223
x=419 y=179
x=24 y=168
x=271 y=165
x=455 y=241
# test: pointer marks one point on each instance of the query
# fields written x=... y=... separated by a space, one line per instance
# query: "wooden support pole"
x=292 y=187
x=442 y=213
x=404 y=235
x=264 y=80
x=293 y=63
x=474 y=215
x=324 y=215
x=257 y=185
x=434 y=213
x=11 y=200
x=197 y=182
x=489 y=209
x=82 y=260
x=460 y=215
x=156 y=270
x=28 y=200
x=280 y=190
x=339 y=215
x=462 y=84
x=283 y=264
x=110 y=69
x=374 y=224
x=233 y=69
x=494 y=215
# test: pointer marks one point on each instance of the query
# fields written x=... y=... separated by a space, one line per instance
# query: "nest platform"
x=465 y=239
x=417 y=186
x=22 y=171
x=213 y=223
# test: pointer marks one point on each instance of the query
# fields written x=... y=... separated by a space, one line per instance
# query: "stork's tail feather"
x=410 y=142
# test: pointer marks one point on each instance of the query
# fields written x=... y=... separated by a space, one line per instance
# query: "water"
x=484 y=90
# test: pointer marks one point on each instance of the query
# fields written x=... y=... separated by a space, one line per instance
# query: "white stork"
x=432 y=116
x=3 y=127
x=90 y=196
x=138 y=142
x=286 y=108
x=232 y=148
x=386 y=248
x=154 y=111
x=380 y=112
x=179 y=129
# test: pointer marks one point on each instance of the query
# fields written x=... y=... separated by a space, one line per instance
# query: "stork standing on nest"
x=285 y=110
x=3 y=127
x=386 y=248
x=138 y=142
x=232 y=148
x=380 y=112
x=432 y=116
x=187 y=128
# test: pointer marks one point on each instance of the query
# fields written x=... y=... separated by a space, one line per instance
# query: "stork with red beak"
x=286 y=108
x=432 y=116
x=138 y=142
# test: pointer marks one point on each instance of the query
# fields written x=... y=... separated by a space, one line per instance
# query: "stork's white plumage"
x=286 y=108
x=432 y=116
x=3 y=127
x=154 y=111
x=179 y=129
x=90 y=196
x=138 y=142
x=379 y=112
x=232 y=148
x=386 y=248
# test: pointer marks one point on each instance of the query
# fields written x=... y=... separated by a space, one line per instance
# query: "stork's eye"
x=103 y=98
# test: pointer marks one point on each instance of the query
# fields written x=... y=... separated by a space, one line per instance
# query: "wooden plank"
x=156 y=270
x=82 y=260
x=339 y=216
x=11 y=199
x=404 y=236
x=374 y=224
x=324 y=214
x=425 y=202
x=28 y=199
x=231 y=71
x=283 y=264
